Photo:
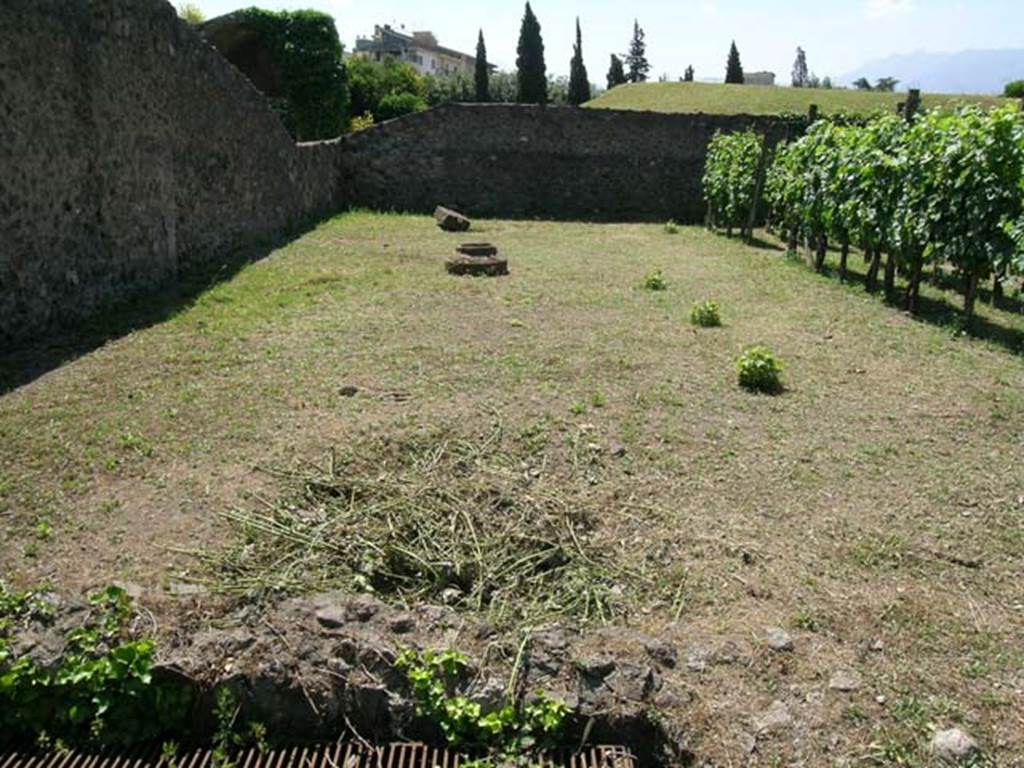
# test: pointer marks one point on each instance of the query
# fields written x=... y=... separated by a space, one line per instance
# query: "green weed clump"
x=100 y=692
x=671 y=228
x=705 y=314
x=361 y=122
x=504 y=735
x=759 y=371
x=655 y=281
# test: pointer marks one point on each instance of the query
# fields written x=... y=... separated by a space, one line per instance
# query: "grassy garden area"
x=723 y=99
x=580 y=410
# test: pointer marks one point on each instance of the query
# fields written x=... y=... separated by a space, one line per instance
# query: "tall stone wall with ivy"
x=131 y=152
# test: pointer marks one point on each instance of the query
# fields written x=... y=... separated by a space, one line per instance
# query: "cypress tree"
x=734 y=69
x=579 y=83
x=801 y=77
x=637 y=57
x=616 y=73
x=482 y=75
x=532 y=86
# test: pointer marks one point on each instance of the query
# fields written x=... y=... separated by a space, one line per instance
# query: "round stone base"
x=482 y=266
x=477 y=249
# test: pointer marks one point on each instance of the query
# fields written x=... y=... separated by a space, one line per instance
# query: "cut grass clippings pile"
x=487 y=525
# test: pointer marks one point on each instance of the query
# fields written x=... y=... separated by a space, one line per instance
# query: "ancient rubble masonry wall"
x=131 y=151
x=545 y=162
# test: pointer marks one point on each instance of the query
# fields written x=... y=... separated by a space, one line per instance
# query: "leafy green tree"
x=397 y=104
x=1014 y=90
x=886 y=84
x=448 y=88
x=532 y=83
x=616 y=73
x=688 y=74
x=191 y=13
x=370 y=82
x=734 y=68
x=482 y=74
x=458 y=86
x=801 y=77
x=863 y=84
x=636 y=59
x=316 y=76
x=558 y=90
x=305 y=47
x=365 y=81
x=504 y=87
x=579 y=82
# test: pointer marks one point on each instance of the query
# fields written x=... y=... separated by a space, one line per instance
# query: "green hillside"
x=763 y=100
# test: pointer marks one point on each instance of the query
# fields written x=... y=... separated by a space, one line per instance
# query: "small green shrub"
x=397 y=104
x=361 y=122
x=705 y=314
x=503 y=735
x=759 y=370
x=101 y=693
x=671 y=228
x=655 y=281
x=230 y=736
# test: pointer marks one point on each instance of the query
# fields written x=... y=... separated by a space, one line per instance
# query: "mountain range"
x=960 y=72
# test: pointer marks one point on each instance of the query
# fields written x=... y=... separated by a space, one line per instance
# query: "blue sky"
x=838 y=35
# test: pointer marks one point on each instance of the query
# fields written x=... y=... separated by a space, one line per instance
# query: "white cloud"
x=879 y=9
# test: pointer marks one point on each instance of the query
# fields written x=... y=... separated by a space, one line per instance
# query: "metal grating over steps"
x=341 y=755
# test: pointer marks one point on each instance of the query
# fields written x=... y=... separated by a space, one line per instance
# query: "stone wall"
x=547 y=162
x=131 y=151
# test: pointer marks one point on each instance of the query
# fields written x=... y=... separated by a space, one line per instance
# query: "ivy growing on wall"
x=307 y=50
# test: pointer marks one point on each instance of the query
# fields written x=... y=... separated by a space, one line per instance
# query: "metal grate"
x=342 y=755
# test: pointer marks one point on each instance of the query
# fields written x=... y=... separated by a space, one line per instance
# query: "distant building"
x=759 y=78
x=420 y=49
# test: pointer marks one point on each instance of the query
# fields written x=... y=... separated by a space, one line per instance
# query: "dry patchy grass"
x=875 y=507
